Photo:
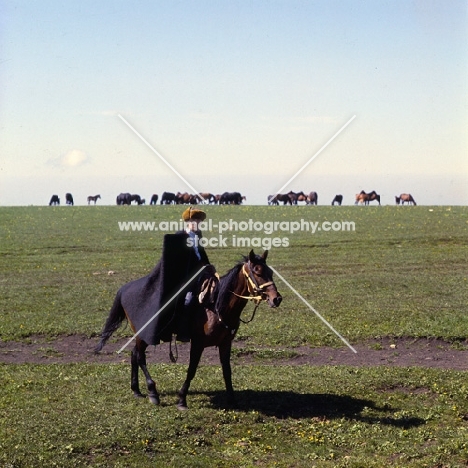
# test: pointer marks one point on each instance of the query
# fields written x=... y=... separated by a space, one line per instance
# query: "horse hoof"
x=139 y=395
x=182 y=407
x=153 y=399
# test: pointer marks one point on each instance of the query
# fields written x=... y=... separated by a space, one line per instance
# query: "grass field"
x=401 y=272
x=84 y=415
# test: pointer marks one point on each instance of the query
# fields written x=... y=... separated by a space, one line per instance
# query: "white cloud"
x=71 y=159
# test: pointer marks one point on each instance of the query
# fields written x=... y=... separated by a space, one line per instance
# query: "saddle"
x=208 y=286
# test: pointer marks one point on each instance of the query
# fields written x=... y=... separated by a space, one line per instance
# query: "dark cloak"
x=143 y=298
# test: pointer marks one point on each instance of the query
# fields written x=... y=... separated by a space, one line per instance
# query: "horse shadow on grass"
x=287 y=404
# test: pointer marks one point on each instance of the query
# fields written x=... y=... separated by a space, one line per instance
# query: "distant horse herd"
x=292 y=198
x=235 y=198
x=361 y=198
x=170 y=198
x=55 y=200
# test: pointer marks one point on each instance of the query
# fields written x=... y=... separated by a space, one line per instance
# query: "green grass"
x=402 y=272
x=84 y=415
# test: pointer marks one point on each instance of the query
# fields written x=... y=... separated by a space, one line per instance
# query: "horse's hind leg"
x=139 y=360
x=134 y=379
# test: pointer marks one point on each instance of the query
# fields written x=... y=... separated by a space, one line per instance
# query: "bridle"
x=257 y=292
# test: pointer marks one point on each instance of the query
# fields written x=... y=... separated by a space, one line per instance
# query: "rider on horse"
x=201 y=289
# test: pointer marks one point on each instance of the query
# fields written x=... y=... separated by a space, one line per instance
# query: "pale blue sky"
x=236 y=96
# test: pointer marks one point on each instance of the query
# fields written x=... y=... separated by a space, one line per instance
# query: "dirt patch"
x=384 y=352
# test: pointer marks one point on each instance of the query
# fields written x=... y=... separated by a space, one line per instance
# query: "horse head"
x=260 y=279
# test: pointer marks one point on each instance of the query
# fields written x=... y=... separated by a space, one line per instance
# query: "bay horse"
x=282 y=197
x=301 y=196
x=272 y=200
x=365 y=198
x=297 y=196
x=94 y=198
x=207 y=197
x=373 y=196
x=312 y=198
x=217 y=325
x=405 y=198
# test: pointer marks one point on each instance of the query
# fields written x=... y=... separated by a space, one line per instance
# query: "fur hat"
x=193 y=213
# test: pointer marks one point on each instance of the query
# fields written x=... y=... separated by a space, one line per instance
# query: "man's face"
x=192 y=225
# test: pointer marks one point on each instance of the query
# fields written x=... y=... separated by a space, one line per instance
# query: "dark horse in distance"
x=212 y=325
x=124 y=199
x=55 y=200
x=338 y=200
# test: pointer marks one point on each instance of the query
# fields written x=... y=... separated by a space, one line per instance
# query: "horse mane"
x=226 y=285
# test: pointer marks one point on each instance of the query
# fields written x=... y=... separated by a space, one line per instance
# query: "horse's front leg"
x=196 y=351
x=225 y=359
x=140 y=358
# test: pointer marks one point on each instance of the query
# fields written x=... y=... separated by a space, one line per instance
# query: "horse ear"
x=265 y=254
x=252 y=256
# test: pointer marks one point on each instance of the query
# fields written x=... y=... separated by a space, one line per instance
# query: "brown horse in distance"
x=405 y=198
x=183 y=198
x=361 y=198
x=296 y=196
x=272 y=200
x=365 y=198
x=208 y=197
x=93 y=198
x=312 y=198
x=301 y=196
x=281 y=197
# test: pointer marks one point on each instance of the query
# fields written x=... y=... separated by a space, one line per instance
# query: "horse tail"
x=113 y=322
